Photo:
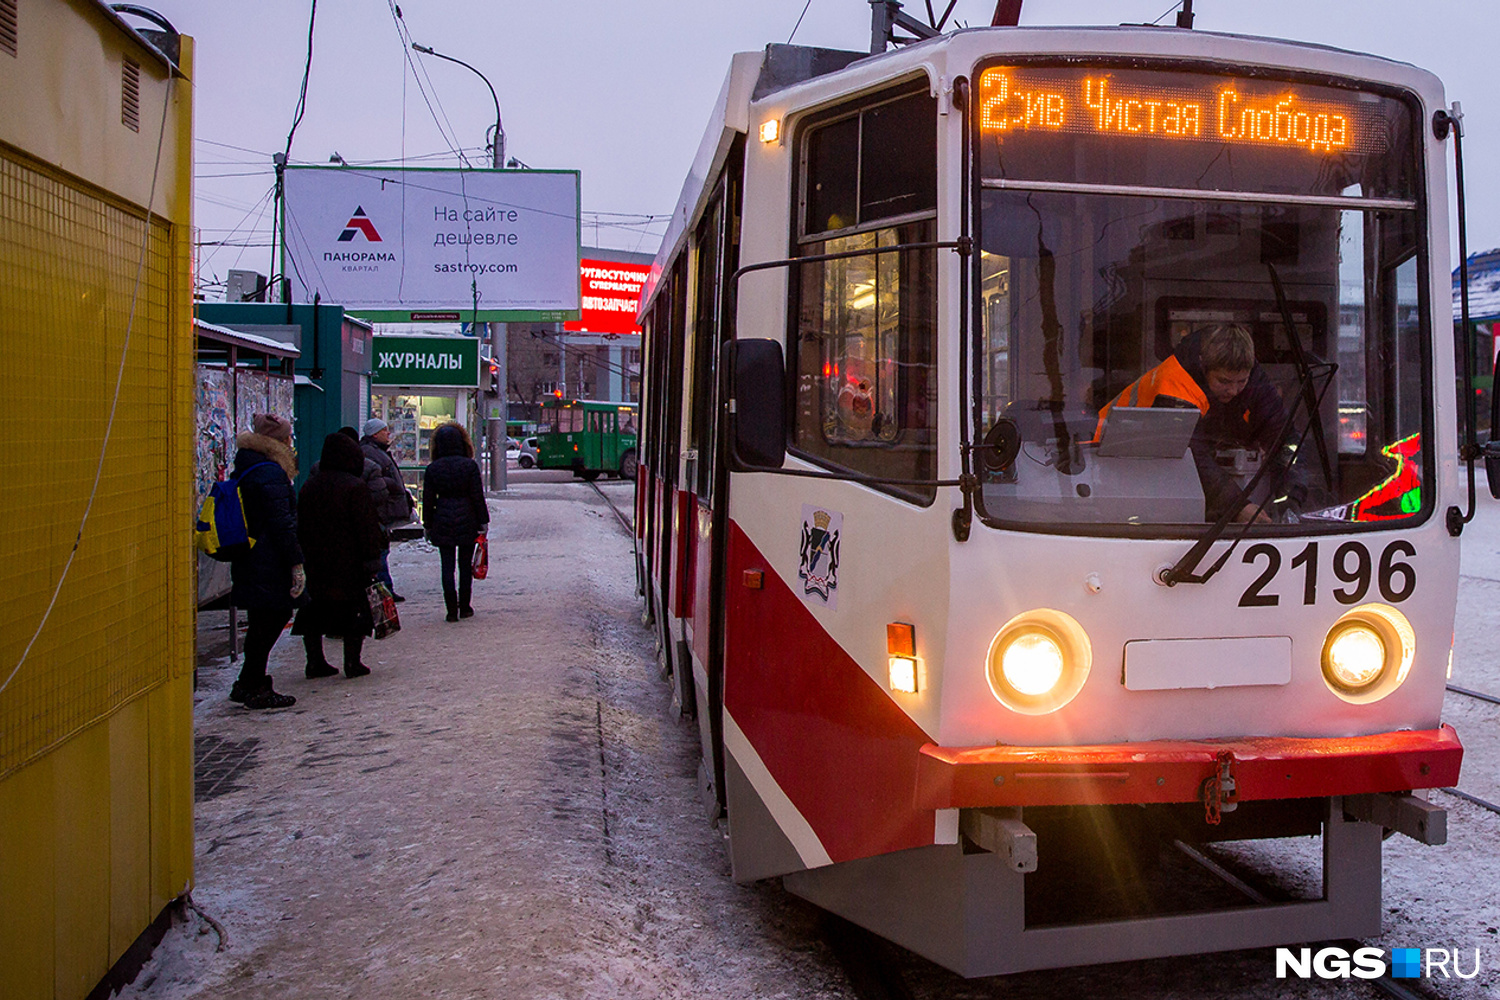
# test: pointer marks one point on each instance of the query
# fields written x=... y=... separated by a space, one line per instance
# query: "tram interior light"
x=770 y=130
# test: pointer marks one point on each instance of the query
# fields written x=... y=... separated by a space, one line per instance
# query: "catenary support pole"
x=499 y=429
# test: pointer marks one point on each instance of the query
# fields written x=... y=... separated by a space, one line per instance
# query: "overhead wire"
x=1167 y=11
x=799 y=22
x=411 y=64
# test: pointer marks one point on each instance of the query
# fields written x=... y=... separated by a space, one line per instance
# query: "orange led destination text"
x=1103 y=105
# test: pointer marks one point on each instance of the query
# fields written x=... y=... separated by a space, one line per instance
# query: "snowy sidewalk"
x=503 y=808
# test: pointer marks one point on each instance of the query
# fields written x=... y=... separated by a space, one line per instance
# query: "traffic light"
x=494 y=377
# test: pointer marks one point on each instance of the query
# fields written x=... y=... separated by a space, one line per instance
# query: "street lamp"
x=498 y=157
x=498 y=429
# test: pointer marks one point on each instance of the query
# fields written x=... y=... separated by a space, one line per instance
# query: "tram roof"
x=781 y=71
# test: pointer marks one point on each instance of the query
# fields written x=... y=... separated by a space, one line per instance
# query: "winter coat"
x=337 y=524
x=1253 y=419
x=453 y=506
x=392 y=502
x=263 y=578
x=372 y=479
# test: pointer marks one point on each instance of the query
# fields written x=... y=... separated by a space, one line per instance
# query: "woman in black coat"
x=341 y=539
x=268 y=578
x=454 y=511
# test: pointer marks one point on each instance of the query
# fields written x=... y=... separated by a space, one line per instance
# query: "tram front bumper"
x=1175 y=771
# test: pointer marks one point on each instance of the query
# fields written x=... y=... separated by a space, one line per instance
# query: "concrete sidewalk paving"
x=503 y=808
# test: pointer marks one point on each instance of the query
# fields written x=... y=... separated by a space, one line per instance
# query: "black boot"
x=352 y=666
x=452 y=601
x=242 y=690
x=317 y=663
x=267 y=697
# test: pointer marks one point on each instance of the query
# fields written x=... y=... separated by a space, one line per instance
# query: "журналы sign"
x=452 y=362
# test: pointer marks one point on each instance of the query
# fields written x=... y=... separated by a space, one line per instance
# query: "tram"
x=983 y=657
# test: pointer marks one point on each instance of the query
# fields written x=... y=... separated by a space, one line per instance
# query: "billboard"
x=611 y=295
x=404 y=245
x=451 y=362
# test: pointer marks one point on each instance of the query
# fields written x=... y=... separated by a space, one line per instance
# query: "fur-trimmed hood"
x=272 y=449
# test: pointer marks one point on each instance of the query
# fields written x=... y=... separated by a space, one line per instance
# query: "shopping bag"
x=383 y=610
x=481 y=563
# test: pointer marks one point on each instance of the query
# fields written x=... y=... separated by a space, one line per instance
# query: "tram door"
x=716 y=246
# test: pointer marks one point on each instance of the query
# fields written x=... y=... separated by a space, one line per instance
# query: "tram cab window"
x=865 y=326
x=1314 y=250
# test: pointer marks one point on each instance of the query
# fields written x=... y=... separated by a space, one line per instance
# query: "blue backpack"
x=221 y=531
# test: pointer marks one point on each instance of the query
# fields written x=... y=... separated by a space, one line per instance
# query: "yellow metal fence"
x=70 y=258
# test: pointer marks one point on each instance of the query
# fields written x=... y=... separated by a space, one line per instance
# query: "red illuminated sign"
x=1178 y=106
x=611 y=293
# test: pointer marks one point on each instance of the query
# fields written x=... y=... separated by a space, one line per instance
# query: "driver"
x=1214 y=370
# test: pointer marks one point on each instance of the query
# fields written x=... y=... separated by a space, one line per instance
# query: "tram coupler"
x=1402 y=812
x=1001 y=832
x=1220 y=793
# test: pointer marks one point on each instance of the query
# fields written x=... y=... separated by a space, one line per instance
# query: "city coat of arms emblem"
x=818 y=560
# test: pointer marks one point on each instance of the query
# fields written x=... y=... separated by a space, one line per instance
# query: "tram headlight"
x=1032 y=663
x=1356 y=655
x=1039 y=661
x=1368 y=653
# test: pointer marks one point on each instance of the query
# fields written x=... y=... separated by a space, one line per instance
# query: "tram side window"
x=866 y=325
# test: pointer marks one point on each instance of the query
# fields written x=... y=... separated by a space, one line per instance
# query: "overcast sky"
x=622 y=91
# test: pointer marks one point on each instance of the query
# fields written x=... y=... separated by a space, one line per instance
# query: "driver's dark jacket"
x=1253 y=419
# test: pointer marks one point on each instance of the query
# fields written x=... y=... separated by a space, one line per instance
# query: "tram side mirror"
x=1001 y=445
x=758 y=398
x=1492 y=466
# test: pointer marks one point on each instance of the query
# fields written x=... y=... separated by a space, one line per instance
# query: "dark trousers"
x=263 y=628
x=384 y=573
x=313 y=645
x=464 y=554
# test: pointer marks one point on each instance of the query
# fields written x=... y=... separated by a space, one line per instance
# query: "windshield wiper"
x=1304 y=375
x=1183 y=570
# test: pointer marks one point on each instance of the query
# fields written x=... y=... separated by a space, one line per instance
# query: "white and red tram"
x=960 y=663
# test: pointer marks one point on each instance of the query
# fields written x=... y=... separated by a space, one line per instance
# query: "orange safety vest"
x=1167 y=379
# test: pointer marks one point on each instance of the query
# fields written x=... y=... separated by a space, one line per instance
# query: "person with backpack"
x=341 y=536
x=455 y=512
x=394 y=505
x=268 y=579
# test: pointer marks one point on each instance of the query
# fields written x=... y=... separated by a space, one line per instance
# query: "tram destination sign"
x=449 y=362
x=395 y=244
x=1170 y=107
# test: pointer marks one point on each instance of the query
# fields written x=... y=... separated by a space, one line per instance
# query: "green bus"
x=588 y=436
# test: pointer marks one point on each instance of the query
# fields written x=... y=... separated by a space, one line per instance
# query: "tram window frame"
x=911 y=450
x=1414 y=341
x=708 y=248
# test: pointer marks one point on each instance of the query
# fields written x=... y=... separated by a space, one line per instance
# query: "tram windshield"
x=1246 y=252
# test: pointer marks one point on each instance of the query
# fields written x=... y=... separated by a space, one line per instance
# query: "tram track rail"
x=1265 y=895
x=619 y=516
x=1473 y=799
x=1477 y=695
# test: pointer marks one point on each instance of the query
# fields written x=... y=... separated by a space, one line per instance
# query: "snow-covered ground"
x=505 y=808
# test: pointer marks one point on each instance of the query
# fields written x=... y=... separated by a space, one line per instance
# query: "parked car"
x=512 y=449
x=527 y=455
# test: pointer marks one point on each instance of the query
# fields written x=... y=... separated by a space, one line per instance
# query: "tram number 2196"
x=1352 y=565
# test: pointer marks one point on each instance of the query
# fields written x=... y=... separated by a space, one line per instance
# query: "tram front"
x=1208 y=586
